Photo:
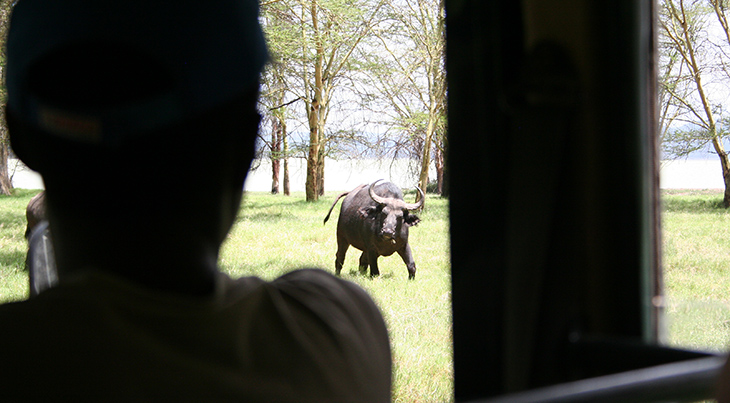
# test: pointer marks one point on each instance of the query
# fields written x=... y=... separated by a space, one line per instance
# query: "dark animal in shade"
x=375 y=219
x=35 y=212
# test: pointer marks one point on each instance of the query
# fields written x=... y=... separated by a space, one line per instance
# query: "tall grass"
x=13 y=247
x=275 y=234
x=696 y=262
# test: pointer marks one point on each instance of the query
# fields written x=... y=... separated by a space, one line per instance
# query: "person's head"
x=136 y=110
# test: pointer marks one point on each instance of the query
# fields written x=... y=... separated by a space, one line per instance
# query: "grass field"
x=276 y=234
x=696 y=261
x=13 y=276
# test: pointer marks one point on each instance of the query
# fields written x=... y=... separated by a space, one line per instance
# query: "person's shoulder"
x=313 y=276
x=57 y=306
x=317 y=283
x=314 y=289
x=339 y=329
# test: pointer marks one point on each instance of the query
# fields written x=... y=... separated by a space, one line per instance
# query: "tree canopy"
x=358 y=72
x=694 y=44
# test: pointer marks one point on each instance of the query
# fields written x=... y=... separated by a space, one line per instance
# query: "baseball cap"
x=209 y=51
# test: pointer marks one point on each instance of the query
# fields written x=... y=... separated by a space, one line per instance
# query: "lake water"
x=691 y=174
x=339 y=175
x=346 y=175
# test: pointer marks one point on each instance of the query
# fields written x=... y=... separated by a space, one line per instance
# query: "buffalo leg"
x=340 y=257
x=364 y=263
x=407 y=257
x=373 y=260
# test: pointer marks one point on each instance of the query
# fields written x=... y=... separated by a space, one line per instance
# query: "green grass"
x=275 y=234
x=696 y=261
x=13 y=247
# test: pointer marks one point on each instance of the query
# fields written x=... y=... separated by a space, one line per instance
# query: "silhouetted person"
x=141 y=117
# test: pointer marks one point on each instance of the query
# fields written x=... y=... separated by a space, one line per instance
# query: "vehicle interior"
x=554 y=206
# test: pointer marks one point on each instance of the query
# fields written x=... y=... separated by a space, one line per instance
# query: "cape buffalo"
x=375 y=219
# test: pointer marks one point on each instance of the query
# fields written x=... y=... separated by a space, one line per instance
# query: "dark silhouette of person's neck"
x=175 y=250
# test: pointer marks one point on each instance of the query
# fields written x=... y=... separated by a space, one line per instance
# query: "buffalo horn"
x=399 y=203
x=375 y=197
x=417 y=205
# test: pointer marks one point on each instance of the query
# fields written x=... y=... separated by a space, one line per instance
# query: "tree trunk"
x=444 y=186
x=320 y=174
x=426 y=155
x=312 y=185
x=311 y=188
x=726 y=180
x=725 y=163
x=287 y=189
x=6 y=184
x=722 y=18
x=315 y=165
x=275 y=176
x=439 y=159
x=285 y=156
x=275 y=154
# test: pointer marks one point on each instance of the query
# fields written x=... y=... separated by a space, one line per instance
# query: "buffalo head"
x=390 y=214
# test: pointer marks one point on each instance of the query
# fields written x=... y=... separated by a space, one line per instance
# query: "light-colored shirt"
x=304 y=337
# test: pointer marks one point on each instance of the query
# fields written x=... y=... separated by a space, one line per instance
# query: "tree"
x=331 y=30
x=410 y=77
x=670 y=85
x=278 y=153
x=6 y=185
x=690 y=64
x=321 y=38
x=276 y=19
x=272 y=98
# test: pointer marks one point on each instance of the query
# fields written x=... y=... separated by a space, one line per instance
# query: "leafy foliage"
x=358 y=76
x=693 y=59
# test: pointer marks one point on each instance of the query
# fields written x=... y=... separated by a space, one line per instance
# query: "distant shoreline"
x=342 y=175
x=691 y=174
